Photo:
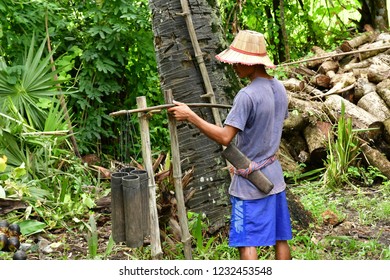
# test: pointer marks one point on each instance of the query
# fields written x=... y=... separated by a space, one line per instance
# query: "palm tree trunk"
x=180 y=72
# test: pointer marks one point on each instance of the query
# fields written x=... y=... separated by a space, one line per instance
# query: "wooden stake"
x=177 y=175
x=147 y=157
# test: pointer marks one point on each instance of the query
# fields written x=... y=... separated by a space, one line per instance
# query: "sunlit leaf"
x=30 y=227
x=3 y=163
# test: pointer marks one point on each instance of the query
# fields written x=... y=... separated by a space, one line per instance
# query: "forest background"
x=66 y=65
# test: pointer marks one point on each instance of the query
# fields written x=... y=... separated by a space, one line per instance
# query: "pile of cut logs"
x=357 y=74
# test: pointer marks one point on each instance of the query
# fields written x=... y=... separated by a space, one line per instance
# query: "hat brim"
x=230 y=56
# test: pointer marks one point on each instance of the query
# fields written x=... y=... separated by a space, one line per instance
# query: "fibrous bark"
x=179 y=72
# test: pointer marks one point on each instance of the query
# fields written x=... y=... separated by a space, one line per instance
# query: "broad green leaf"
x=30 y=227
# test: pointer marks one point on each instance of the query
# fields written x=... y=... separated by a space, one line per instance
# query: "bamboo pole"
x=333 y=55
x=147 y=157
x=199 y=58
x=177 y=177
x=202 y=66
x=165 y=106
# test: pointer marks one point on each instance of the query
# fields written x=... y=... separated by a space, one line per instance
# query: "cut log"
x=383 y=36
x=293 y=84
x=294 y=123
x=374 y=104
x=378 y=72
x=297 y=147
x=383 y=89
x=321 y=80
x=362 y=87
x=301 y=218
x=311 y=110
x=361 y=64
x=304 y=71
x=348 y=59
x=376 y=48
x=315 y=92
x=328 y=66
x=361 y=119
x=9 y=205
x=343 y=79
x=386 y=131
x=383 y=58
x=355 y=42
x=376 y=159
x=318 y=52
x=341 y=82
x=360 y=72
x=317 y=137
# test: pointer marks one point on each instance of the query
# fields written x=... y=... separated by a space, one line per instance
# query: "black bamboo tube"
x=240 y=161
x=143 y=177
x=133 y=210
x=128 y=169
x=117 y=212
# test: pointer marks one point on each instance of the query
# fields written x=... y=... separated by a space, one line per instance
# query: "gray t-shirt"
x=258 y=112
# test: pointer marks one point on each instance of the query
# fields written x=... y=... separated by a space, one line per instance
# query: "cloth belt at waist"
x=253 y=166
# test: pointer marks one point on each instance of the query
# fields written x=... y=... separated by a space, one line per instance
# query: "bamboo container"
x=117 y=212
x=133 y=210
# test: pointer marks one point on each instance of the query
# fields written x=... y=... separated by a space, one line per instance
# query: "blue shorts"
x=259 y=222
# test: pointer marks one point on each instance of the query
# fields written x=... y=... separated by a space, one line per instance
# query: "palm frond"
x=23 y=86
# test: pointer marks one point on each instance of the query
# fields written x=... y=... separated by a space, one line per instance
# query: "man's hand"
x=181 y=111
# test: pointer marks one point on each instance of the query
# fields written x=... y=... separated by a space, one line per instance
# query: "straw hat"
x=248 y=48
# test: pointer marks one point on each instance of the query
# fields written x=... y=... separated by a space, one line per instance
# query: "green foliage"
x=308 y=23
x=342 y=153
x=116 y=64
x=30 y=227
x=38 y=166
x=24 y=87
x=197 y=226
x=92 y=237
x=104 y=49
x=299 y=175
x=307 y=247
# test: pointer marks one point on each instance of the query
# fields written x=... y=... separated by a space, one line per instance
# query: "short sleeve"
x=240 y=112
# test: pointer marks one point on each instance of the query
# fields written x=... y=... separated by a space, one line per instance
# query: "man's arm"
x=221 y=135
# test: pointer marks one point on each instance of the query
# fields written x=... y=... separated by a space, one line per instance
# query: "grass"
x=364 y=209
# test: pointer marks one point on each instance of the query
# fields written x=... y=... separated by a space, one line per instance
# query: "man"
x=256 y=122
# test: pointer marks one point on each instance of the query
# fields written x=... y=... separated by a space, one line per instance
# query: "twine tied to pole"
x=253 y=166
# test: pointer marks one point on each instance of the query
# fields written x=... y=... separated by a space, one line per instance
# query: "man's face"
x=243 y=71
